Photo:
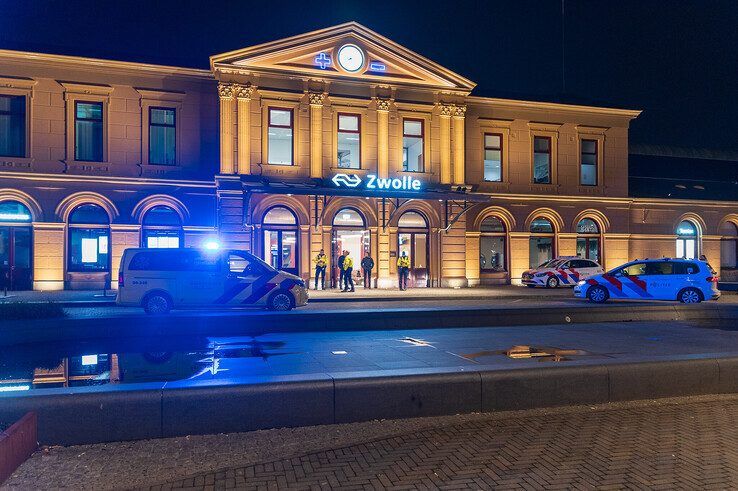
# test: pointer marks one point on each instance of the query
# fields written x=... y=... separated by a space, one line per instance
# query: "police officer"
x=348 y=269
x=320 y=264
x=339 y=263
x=367 y=264
x=403 y=269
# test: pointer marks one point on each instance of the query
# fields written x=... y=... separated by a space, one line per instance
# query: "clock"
x=350 y=58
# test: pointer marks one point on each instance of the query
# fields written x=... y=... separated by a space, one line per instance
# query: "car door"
x=201 y=280
x=662 y=284
x=633 y=281
x=247 y=280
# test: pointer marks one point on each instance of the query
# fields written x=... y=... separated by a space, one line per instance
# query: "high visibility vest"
x=348 y=263
x=403 y=262
x=320 y=260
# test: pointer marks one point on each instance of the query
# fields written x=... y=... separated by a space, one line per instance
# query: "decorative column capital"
x=446 y=109
x=244 y=92
x=383 y=104
x=316 y=98
x=225 y=91
x=459 y=111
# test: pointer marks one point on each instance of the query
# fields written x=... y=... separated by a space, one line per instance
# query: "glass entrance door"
x=280 y=250
x=415 y=245
x=357 y=242
x=16 y=272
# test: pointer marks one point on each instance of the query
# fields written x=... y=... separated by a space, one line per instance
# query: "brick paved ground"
x=685 y=443
x=663 y=446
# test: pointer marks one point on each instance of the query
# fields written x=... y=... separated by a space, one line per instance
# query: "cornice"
x=144 y=181
x=552 y=106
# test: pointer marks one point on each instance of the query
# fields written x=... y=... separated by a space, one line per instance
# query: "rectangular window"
x=541 y=160
x=279 y=143
x=349 y=141
x=162 y=136
x=88 y=249
x=12 y=126
x=492 y=157
x=88 y=131
x=412 y=145
x=588 y=172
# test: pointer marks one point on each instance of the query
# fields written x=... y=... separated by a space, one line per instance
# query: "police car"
x=162 y=279
x=686 y=280
x=562 y=271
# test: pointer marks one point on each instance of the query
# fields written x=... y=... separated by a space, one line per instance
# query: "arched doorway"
x=687 y=243
x=161 y=228
x=16 y=246
x=88 y=248
x=542 y=242
x=588 y=240
x=728 y=246
x=281 y=239
x=412 y=239
x=492 y=246
x=349 y=234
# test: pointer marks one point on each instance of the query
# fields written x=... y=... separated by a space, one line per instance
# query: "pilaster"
x=243 y=95
x=225 y=94
x=459 y=166
x=316 y=134
x=446 y=111
x=383 y=106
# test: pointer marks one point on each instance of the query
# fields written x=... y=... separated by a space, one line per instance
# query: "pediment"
x=316 y=54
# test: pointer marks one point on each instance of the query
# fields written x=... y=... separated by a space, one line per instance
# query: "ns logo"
x=404 y=183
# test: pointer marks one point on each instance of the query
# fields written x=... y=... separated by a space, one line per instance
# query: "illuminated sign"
x=404 y=183
x=323 y=60
x=377 y=66
x=15 y=217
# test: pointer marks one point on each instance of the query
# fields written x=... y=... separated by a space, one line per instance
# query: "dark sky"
x=676 y=60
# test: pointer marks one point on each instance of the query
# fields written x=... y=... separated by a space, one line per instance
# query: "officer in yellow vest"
x=348 y=269
x=403 y=270
x=320 y=264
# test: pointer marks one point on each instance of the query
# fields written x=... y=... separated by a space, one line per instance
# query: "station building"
x=338 y=139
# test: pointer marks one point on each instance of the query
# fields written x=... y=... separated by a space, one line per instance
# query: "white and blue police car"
x=561 y=271
x=685 y=280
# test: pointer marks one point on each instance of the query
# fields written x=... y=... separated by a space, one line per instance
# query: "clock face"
x=350 y=57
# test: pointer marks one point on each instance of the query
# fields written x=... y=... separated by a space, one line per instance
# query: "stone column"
x=459 y=168
x=383 y=106
x=445 y=115
x=243 y=94
x=225 y=93
x=316 y=134
x=472 y=258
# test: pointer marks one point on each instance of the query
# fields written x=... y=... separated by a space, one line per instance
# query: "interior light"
x=11 y=388
x=89 y=360
x=15 y=216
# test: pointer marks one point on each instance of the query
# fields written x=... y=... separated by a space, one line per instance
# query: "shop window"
x=89 y=239
x=162 y=228
x=280 y=135
x=162 y=136
x=88 y=131
x=14 y=212
x=16 y=246
x=588 y=163
x=281 y=244
x=349 y=141
x=12 y=126
x=541 y=160
x=492 y=245
x=588 y=239
x=687 y=245
x=541 y=243
x=412 y=145
x=492 y=157
x=729 y=246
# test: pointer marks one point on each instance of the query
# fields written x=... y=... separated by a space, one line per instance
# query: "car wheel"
x=281 y=302
x=552 y=282
x=598 y=294
x=690 y=295
x=157 y=303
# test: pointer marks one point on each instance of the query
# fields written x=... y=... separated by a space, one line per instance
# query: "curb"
x=139 y=411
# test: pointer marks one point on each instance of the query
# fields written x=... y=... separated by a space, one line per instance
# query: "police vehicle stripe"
x=260 y=287
x=232 y=292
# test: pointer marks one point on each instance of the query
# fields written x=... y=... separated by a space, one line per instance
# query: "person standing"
x=320 y=264
x=403 y=270
x=348 y=268
x=340 y=261
x=367 y=264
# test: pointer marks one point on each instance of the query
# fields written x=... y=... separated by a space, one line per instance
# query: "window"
x=279 y=142
x=162 y=136
x=588 y=239
x=412 y=219
x=162 y=228
x=348 y=217
x=279 y=215
x=89 y=239
x=492 y=246
x=13 y=211
x=686 y=243
x=281 y=239
x=541 y=160
x=412 y=145
x=237 y=263
x=636 y=269
x=541 y=244
x=492 y=157
x=728 y=246
x=12 y=126
x=88 y=131
x=349 y=141
x=588 y=172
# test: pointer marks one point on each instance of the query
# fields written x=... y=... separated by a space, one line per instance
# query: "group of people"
x=346 y=268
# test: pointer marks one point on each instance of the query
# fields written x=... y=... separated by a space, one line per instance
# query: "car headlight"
x=581 y=283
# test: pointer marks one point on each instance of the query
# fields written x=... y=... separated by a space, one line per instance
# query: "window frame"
x=350 y=132
x=550 y=159
x=291 y=128
x=500 y=149
x=596 y=164
x=102 y=122
x=422 y=143
x=24 y=123
x=505 y=244
x=173 y=126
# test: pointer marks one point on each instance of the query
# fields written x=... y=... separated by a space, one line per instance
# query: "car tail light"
x=120 y=279
x=712 y=279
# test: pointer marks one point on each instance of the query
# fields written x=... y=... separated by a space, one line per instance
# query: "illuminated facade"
x=338 y=139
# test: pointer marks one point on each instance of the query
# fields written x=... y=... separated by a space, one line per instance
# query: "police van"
x=686 y=280
x=162 y=279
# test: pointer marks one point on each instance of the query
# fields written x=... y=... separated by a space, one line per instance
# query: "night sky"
x=676 y=60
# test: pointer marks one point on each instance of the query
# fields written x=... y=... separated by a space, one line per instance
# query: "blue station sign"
x=372 y=182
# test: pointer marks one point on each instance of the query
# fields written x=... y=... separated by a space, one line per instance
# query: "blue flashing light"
x=323 y=61
x=211 y=245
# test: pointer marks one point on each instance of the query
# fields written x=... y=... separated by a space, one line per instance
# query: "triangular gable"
x=315 y=54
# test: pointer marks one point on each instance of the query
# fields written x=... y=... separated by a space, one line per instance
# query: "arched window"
x=281 y=234
x=348 y=217
x=728 y=246
x=412 y=241
x=349 y=234
x=542 y=242
x=412 y=219
x=492 y=245
x=162 y=228
x=89 y=239
x=687 y=245
x=16 y=254
x=588 y=239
